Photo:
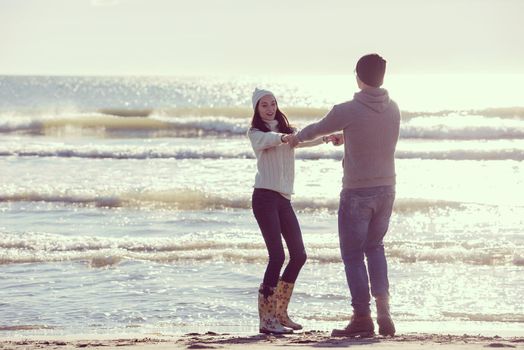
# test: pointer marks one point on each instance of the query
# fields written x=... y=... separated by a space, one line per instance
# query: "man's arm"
x=313 y=143
x=332 y=122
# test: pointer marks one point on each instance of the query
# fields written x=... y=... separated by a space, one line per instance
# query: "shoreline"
x=449 y=327
x=306 y=339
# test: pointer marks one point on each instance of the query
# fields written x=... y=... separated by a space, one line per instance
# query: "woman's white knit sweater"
x=275 y=160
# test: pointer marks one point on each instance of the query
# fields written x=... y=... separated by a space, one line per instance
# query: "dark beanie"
x=371 y=69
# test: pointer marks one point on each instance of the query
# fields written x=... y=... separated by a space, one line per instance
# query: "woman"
x=269 y=134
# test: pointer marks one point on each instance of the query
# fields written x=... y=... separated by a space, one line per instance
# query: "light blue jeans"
x=363 y=220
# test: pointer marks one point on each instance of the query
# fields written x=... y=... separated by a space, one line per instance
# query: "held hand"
x=336 y=139
x=286 y=138
x=292 y=140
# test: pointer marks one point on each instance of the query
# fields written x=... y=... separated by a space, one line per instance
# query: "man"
x=370 y=124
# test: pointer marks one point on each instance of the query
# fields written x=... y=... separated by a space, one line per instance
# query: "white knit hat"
x=258 y=94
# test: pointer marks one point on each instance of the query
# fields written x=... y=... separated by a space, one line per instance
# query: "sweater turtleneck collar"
x=272 y=124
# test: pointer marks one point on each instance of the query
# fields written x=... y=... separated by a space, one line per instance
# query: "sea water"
x=125 y=205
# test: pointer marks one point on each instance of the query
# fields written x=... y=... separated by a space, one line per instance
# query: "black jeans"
x=276 y=219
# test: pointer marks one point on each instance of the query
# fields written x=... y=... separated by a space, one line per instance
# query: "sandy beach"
x=304 y=340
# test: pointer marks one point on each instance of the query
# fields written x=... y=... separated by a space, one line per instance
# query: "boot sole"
x=386 y=334
x=265 y=331
x=296 y=328
x=353 y=335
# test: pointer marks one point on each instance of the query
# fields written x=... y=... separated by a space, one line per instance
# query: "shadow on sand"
x=315 y=339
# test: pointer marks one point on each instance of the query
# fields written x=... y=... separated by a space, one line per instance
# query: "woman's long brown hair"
x=283 y=124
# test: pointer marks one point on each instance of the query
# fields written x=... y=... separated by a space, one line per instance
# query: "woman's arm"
x=314 y=142
x=261 y=140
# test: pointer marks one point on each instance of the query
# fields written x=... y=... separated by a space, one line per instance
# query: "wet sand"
x=304 y=340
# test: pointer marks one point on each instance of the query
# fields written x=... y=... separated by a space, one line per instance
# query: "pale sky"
x=192 y=37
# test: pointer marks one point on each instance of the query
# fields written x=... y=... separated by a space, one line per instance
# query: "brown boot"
x=283 y=295
x=385 y=323
x=267 y=306
x=360 y=326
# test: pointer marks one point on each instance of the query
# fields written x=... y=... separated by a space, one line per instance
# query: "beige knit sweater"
x=275 y=160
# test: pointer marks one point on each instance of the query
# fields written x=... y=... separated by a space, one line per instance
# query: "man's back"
x=371 y=124
x=370 y=139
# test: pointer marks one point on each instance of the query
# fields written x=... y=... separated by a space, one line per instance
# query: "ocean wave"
x=442 y=151
x=519 y=318
x=306 y=113
x=498 y=112
x=492 y=150
x=189 y=199
x=506 y=318
x=102 y=125
x=474 y=253
x=26 y=327
x=462 y=150
x=462 y=127
x=32 y=247
x=124 y=152
x=226 y=122
x=181 y=122
x=176 y=200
